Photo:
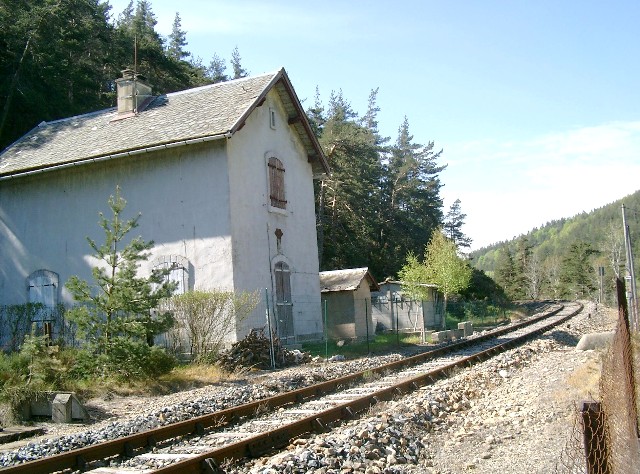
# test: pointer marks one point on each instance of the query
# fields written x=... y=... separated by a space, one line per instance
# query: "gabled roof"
x=346 y=280
x=205 y=113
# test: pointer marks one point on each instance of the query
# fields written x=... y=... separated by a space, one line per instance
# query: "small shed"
x=346 y=297
x=393 y=309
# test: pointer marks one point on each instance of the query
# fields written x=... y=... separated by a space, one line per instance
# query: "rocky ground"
x=512 y=414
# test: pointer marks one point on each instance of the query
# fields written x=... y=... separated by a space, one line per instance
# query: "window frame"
x=175 y=264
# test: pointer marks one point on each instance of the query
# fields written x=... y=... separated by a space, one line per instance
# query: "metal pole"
x=326 y=333
x=601 y=275
x=271 y=349
x=632 y=298
x=366 y=320
x=397 y=326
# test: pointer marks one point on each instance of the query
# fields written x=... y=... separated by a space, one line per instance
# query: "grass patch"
x=381 y=343
x=180 y=378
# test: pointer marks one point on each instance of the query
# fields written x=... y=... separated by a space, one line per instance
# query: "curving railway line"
x=201 y=444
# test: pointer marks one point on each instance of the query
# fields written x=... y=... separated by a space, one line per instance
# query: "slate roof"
x=346 y=280
x=204 y=113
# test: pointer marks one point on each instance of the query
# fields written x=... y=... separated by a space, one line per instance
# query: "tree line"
x=562 y=258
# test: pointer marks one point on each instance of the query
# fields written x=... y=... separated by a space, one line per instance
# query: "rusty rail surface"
x=78 y=459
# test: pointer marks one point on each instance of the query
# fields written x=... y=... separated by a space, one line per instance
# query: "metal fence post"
x=326 y=333
x=271 y=349
x=595 y=445
x=366 y=320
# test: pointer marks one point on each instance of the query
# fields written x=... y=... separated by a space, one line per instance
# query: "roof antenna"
x=135 y=73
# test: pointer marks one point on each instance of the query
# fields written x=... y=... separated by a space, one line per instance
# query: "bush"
x=128 y=359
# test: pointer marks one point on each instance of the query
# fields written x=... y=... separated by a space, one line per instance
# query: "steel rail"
x=80 y=458
x=257 y=445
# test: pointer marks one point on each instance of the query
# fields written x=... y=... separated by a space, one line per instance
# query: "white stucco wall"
x=182 y=194
x=252 y=215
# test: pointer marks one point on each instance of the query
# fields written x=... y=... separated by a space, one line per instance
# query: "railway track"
x=250 y=430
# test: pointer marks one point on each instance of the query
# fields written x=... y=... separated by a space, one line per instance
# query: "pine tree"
x=453 y=222
x=577 y=275
x=238 y=71
x=121 y=309
x=216 y=70
x=505 y=270
x=315 y=114
x=411 y=205
x=177 y=41
x=521 y=263
x=346 y=216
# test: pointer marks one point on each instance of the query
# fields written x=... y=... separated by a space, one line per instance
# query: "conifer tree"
x=117 y=308
x=411 y=202
x=577 y=275
x=505 y=270
x=345 y=212
x=177 y=41
x=216 y=70
x=236 y=63
x=453 y=222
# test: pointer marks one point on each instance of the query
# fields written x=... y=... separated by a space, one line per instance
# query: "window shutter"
x=276 y=183
x=42 y=289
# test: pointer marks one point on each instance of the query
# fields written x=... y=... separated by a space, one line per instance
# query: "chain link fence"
x=604 y=439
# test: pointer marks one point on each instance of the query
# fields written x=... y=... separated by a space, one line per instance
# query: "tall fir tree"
x=345 y=211
x=177 y=41
x=452 y=227
x=411 y=202
x=236 y=64
x=216 y=71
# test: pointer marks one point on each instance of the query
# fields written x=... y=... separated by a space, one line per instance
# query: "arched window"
x=284 y=305
x=178 y=271
x=42 y=287
x=276 y=183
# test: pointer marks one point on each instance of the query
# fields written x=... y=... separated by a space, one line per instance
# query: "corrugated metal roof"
x=346 y=280
x=217 y=110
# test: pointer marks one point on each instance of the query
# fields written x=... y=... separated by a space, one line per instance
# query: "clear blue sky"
x=535 y=104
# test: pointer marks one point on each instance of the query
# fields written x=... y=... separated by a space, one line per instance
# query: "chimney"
x=133 y=94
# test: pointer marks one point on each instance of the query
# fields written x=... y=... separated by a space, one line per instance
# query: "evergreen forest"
x=563 y=258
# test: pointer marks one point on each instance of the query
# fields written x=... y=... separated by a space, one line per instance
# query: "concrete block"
x=67 y=407
x=457 y=333
x=467 y=327
x=61 y=408
x=441 y=336
x=596 y=340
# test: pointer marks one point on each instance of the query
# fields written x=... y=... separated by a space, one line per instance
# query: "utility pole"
x=631 y=276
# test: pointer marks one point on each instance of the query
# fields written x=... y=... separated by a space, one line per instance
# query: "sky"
x=536 y=105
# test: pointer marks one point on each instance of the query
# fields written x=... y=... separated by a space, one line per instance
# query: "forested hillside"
x=60 y=58
x=561 y=259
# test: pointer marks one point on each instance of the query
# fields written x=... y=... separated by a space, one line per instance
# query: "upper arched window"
x=276 y=183
x=42 y=287
x=178 y=267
